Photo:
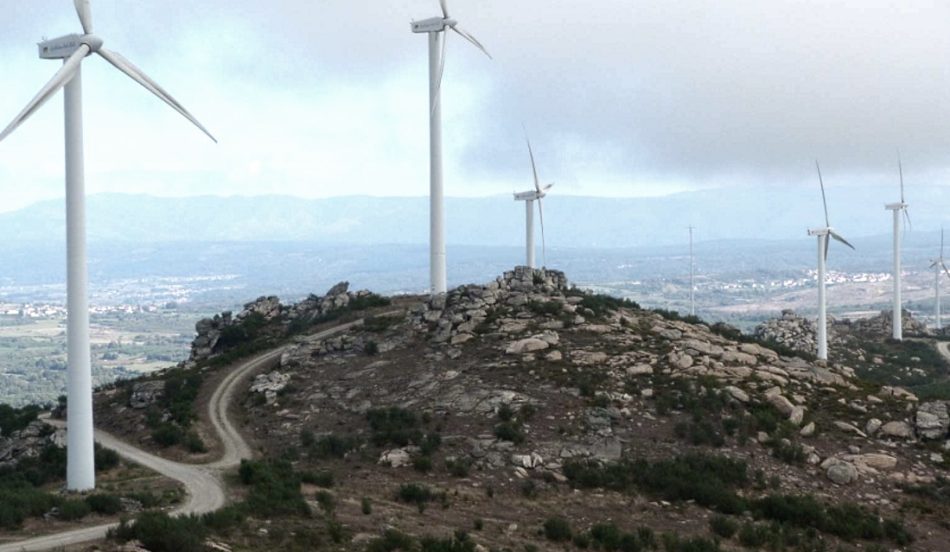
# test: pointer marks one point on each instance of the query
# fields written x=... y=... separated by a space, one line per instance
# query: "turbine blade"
x=941 y=242
x=59 y=80
x=84 y=10
x=445 y=8
x=907 y=222
x=827 y=244
x=945 y=269
x=534 y=168
x=824 y=201
x=900 y=168
x=140 y=77
x=471 y=39
x=548 y=187
x=544 y=248
x=838 y=237
x=438 y=84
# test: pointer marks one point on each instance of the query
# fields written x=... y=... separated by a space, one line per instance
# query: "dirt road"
x=203 y=483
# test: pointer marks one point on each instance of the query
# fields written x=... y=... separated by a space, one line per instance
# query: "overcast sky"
x=621 y=97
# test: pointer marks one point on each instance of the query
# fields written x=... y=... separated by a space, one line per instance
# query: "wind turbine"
x=692 y=302
x=73 y=48
x=938 y=265
x=898 y=209
x=529 y=198
x=435 y=27
x=823 y=234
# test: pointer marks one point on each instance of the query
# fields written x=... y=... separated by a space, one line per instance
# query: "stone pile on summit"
x=792 y=331
x=456 y=316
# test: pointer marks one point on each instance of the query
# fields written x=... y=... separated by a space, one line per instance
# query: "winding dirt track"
x=203 y=483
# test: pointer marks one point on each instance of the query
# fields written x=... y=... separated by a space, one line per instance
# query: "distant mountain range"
x=767 y=213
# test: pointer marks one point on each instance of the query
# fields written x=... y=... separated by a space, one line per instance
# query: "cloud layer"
x=620 y=97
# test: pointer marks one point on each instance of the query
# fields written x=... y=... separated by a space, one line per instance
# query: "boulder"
x=528 y=345
x=901 y=430
x=146 y=393
x=842 y=473
x=932 y=420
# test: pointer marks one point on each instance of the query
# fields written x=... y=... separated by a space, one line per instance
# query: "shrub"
x=325 y=500
x=104 y=459
x=394 y=425
x=460 y=542
x=723 y=526
x=371 y=348
x=391 y=541
x=105 y=504
x=422 y=463
x=274 y=488
x=601 y=305
x=366 y=506
x=672 y=543
x=709 y=480
x=458 y=467
x=510 y=431
x=320 y=479
x=167 y=434
x=194 y=444
x=73 y=509
x=332 y=446
x=557 y=529
x=606 y=535
x=414 y=493
x=551 y=308
x=160 y=532
x=15 y=419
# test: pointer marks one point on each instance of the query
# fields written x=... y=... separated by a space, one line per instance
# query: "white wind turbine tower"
x=898 y=209
x=939 y=266
x=80 y=469
x=823 y=234
x=529 y=198
x=692 y=287
x=435 y=27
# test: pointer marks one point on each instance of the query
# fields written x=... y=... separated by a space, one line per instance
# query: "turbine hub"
x=93 y=41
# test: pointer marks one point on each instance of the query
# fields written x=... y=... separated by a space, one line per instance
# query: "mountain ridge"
x=571 y=221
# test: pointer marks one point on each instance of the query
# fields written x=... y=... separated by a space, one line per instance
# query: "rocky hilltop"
x=543 y=415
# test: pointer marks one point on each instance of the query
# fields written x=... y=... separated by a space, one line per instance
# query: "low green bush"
x=73 y=509
x=723 y=526
x=557 y=529
x=105 y=504
x=319 y=478
x=159 y=532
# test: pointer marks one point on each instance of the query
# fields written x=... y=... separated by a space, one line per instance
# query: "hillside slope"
x=527 y=415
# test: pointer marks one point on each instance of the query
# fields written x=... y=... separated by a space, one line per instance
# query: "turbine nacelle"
x=900 y=206
x=433 y=25
x=65 y=46
x=532 y=195
x=819 y=231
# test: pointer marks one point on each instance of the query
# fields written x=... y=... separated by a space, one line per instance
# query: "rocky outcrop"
x=267 y=311
x=790 y=330
x=881 y=325
x=146 y=393
x=463 y=310
x=269 y=385
x=28 y=443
